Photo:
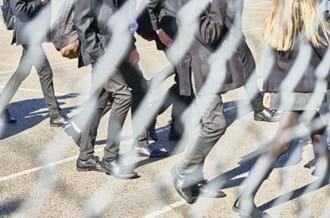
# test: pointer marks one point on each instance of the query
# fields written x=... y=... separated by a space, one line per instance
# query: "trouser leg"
x=267 y=162
x=135 y=80
x=22 y=71
x=46 y=80
x=89 y=130
x=213 y=126
x=180 y=104
x=121 y=102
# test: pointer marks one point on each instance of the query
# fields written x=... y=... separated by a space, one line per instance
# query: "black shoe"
x=252 y=212
x=159 y=153
x=143 y=151
x=208 y=191
x=152 y=134
x=117 y=170
x=91 y=164
x=59 y=121
x=74 y=132
x=268 y=115
x=188 y=193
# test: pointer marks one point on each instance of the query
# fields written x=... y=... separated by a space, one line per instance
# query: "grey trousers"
x=125 y=89
x=213 y=126
x=32 y=56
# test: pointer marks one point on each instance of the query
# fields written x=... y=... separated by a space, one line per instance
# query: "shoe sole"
x=186 y=200
x=257 y=118
x=143 y=154
x=207 y=195
x=237 y=210
x=57 y=125
x=123 y=177
x=261 y=119
x=88 y=169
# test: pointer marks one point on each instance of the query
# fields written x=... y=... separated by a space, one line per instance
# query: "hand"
x=133 y=57
x=44 y=2
x=164 y=38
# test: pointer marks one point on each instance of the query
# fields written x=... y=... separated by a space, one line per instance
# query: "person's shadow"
x=231 y=112
x=30 y=113
x=236 y=176
x=9 y=207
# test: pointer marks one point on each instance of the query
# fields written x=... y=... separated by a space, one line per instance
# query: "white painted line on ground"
x=16 y=175
x=166 y=209
x=6 y=72
x=33 y=90
x=6 y=64
x=33 y=170
x=6 y=36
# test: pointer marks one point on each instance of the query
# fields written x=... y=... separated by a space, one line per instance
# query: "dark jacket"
x=154 y=8
x=91 y=24
x=91 y=21
x=283 y=62
x=63 y=31
x=215 y=24
x=160 y=18
x=32 y=21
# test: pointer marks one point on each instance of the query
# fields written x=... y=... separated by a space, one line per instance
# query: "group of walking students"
x=297 y=33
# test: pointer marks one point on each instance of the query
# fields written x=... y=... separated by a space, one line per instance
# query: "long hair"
x=289 y=18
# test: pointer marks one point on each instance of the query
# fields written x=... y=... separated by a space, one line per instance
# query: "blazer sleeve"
x=25 y=10
x=152 y=7
x=212 y=22
x=86 y=26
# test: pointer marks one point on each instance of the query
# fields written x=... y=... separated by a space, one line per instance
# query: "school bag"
x=8 y=15
x=63 y=33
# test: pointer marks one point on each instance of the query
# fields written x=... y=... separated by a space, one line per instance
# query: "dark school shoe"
x=59 y=121
x=91 y=164
x=267 y=115
x=118 y=170
x=208 y=191
x=254 y=212
x=187 y=193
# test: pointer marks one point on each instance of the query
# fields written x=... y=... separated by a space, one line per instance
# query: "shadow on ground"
x=30 y=113
x=7 y=208
x=231 y=113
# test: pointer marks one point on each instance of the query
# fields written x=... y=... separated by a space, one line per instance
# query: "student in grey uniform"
x=31 y=30
x=188 y=174
x=289 y=26
x=164 y=27
x=91 y=23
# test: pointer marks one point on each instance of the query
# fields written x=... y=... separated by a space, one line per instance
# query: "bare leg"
x=264 y=166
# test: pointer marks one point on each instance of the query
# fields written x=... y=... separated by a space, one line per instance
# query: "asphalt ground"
x=34 y=186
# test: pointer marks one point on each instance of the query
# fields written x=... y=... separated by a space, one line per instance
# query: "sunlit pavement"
x=25 y=177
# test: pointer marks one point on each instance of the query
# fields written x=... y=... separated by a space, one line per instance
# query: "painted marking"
x=34 y=90
x=5 y=72
x=26 y=172
x=6 y=64
x=60 y=162
x=166 y=209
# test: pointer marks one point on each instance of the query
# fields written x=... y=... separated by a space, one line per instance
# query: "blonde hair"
x=288 y=18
